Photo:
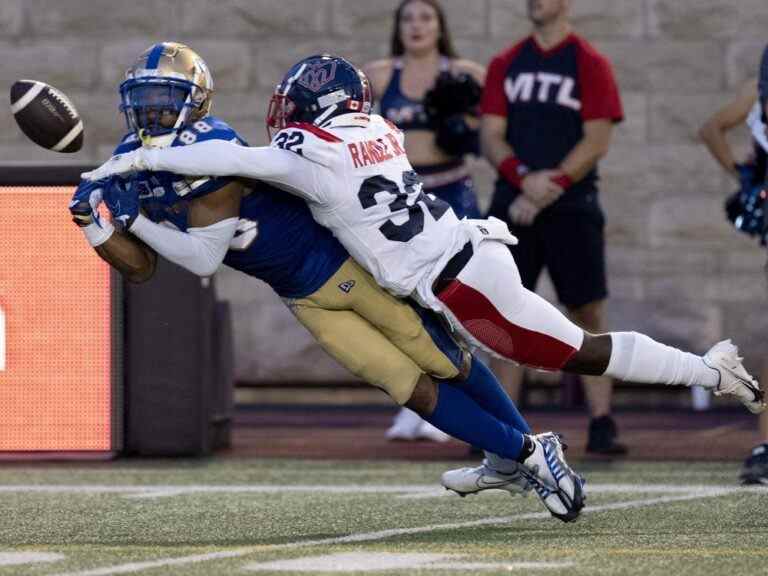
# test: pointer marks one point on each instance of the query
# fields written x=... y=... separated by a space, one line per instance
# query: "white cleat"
x=405 y=426
x=427 y=431
x=465 y=481
x=734 y=378
x=409 y=426
x=558 y=487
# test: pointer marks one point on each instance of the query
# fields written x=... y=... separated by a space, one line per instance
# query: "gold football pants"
x=374 y=335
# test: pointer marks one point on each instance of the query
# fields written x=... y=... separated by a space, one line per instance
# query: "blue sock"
x=460 y=416
x=487 y=391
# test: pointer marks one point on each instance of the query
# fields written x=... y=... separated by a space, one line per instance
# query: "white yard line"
x=407 y=490
x=380 y=561
x=134 y=567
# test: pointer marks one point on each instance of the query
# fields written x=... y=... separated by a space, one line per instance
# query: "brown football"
x=46 y=116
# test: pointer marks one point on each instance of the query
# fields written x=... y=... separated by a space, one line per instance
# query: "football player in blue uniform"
x=200 y=222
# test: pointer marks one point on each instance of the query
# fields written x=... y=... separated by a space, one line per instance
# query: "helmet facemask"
x=157 y=106
x=166 y=89
x=280 y=113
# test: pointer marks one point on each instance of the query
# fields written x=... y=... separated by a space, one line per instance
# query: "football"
x=46 y=116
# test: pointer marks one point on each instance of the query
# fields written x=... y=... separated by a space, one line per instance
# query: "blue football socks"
x=488 y=392
x=460 y=416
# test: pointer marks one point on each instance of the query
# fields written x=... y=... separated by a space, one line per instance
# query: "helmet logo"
x=317 y=75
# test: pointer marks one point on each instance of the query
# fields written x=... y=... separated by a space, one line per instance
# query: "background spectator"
x=432 y=95
x=548 y=110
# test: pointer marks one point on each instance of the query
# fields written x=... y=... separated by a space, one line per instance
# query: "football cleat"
x=431 y=433
x=734 y=378
x=557 y=486
x=408 y=425
x=465 y=481
x=404 y=426
x=755 y=470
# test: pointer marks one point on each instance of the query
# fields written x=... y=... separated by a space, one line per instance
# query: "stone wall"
x=678 y=271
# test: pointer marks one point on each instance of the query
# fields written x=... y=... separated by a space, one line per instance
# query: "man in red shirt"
x=548 y=111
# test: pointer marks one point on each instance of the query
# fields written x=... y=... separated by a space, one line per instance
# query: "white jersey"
x=358 y=182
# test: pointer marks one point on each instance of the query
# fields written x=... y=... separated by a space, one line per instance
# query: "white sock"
x=637 y=358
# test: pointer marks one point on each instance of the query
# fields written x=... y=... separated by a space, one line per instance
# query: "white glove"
x=119 y=165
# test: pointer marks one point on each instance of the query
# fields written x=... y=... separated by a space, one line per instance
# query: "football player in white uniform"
x=352 y=169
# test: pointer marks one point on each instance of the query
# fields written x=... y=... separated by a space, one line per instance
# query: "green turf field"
x=291 y=517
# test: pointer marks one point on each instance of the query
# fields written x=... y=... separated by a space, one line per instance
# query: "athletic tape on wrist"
x=97 y=235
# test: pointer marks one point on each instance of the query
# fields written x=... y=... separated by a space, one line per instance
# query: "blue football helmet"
x=167 y=88
x=316 y=89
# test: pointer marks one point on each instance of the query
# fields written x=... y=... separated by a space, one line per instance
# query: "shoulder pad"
x=128 y=143
x=315 y=144
x=208 y=128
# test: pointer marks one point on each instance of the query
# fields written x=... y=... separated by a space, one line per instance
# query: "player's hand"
x=119 y=165
x=539 y=188
x=122 y=199
x=84 y=206
x=522 y=211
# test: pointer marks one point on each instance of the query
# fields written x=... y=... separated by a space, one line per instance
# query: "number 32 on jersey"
x=414 y=225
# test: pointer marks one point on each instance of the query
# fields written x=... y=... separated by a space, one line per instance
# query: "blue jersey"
x=277 y=240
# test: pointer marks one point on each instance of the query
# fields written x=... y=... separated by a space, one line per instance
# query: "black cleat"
x=755 y=470
x=602 y=437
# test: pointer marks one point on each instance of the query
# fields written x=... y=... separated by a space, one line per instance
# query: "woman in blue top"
x=439 y=132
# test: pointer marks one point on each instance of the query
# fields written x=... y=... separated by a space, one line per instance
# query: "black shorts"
x=571 y=245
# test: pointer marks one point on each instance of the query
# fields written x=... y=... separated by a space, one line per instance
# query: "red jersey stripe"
x=319 y=132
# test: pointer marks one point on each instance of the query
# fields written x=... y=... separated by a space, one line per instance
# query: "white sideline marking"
x=139 y=566
x=383 y=534
x=598 y=489
x=405 y=490
x=350 y=562
x=503 y=566
x=19 y=558
x=378 y=561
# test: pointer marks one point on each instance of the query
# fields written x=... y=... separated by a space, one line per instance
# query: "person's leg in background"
x=755 y=470
x=575 y=257
x=510 y=375
x=598 y=389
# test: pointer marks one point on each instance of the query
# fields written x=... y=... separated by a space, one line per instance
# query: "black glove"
x=451 y=95
x=447 y=103
x=455 y=137
x=745 y=208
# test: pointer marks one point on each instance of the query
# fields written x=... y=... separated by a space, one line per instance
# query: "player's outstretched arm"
x=127 y=254
x=212 y=221
x=213 y=158
x=130 y=256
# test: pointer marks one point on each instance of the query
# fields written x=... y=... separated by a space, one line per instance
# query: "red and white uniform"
x=358 y=182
